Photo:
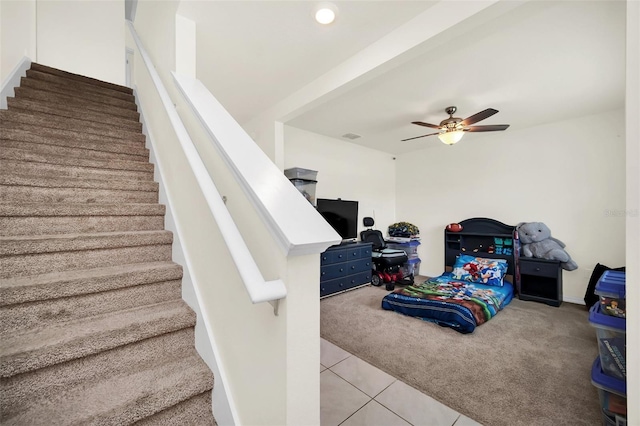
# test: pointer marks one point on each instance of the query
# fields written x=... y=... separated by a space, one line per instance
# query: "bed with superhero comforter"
x=450 y=302
x=480 y=265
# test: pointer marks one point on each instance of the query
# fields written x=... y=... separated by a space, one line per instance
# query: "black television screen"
x=342 y=215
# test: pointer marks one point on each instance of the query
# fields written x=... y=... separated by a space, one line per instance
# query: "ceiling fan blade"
x=430 y=134
x=420 y=123
x=491 y=128
x=479 y=116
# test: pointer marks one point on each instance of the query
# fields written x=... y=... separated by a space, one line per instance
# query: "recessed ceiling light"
x=325 y=13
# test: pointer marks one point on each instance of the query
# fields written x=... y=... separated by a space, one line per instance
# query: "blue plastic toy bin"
x=612 y=341
x=613 y=395
x=611 y=290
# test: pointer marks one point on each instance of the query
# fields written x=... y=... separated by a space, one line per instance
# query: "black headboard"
x=475 y=238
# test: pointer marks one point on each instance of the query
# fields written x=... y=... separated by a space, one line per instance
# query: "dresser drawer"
x=344 y=283
x=361 y=265
x=329 y=272
x=538 y=268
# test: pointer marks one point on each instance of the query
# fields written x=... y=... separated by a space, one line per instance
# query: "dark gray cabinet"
x=344 y=267
x=540 y=280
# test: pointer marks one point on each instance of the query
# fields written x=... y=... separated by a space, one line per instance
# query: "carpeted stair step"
x=62 y=171
x=56 y=99
x=33 y=156
x=21 y=390
x=28 y=133
x=78 y=85
x=70 y=111
x=194 y=411
x=46 y=346
x=123 y=399
x=83 y=79
x=79 y=127
x=35 y=189
x=41 y=146
x=75 y=218
x=15 y=290
x=22 y=256
x=70 y=90
x=24 y=316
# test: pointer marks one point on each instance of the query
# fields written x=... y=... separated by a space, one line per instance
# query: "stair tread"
x=17 y=179
x=15 y=131
x=82 y=281
x=55 y=71
x=61 y=99
x=70 y=111
x=43 y=147
x=74 y=92
x=49 y=345
x=23 y=244
x=65 y=81
x=81 y=209
x=126 y=397
x=82 y=127
x=29 y=155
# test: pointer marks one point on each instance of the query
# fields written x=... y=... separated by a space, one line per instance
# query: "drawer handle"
x=354 y=253
x=341 y=269
x=322 y=288
x=322 y=273
x=339 y=256
x=341 y=285
x=368 y=263
x=353 y=281
x=537 y=269
x=324 y=257
x=353 y=267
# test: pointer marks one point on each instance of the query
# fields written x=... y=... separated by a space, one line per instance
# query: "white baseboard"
x=205 y=343
x=575 y=300
x=13 y=80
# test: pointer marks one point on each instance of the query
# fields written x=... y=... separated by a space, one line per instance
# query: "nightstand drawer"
x=333 y=256
x=538 y=268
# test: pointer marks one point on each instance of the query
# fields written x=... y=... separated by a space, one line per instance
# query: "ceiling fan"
x=452 y=129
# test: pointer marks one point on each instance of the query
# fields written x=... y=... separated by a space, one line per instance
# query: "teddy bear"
x=536 y=241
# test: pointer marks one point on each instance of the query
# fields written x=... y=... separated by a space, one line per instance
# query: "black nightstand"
x=540 y=280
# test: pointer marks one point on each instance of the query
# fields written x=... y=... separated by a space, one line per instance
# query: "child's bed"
x=480 y=266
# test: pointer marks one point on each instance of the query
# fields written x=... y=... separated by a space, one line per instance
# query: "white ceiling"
x=538 y=63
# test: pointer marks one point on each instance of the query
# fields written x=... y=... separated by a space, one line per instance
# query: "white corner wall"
x=347 y=171
x=17 y=34
x=569 y=175
x=83 y=37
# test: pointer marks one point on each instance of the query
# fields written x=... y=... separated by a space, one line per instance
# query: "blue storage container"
x=612 y=393
x=612 y=341
x=411 y=267
x=611 y=289
x=410 y=247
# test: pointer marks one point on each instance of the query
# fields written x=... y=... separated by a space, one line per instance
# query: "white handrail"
x=294 y=223
x=257 y=287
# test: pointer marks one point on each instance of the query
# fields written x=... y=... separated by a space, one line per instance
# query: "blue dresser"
x=344 y=267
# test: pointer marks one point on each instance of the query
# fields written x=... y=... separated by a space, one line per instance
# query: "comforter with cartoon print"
x=448 y=302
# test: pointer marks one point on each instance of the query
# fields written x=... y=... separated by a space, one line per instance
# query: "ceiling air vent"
x=351 y=136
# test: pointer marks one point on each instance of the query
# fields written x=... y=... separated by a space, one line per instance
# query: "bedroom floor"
x=355 y=393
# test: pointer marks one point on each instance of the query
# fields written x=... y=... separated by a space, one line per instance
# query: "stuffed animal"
x=537 y=241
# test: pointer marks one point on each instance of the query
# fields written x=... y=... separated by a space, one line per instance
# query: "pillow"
x=480 y=270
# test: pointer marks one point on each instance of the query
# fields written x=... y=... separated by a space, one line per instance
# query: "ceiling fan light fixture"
x=450 y=138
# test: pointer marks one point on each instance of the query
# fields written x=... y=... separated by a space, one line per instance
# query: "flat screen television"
x=342 y=215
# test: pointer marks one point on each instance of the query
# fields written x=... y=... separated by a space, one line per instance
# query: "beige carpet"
x=529 y=365
x=93 y=329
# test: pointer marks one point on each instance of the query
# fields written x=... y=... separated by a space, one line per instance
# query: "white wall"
x=633 y=210
x=83 y=37
x=569 y=175
x=17 y=34
x=347 y=171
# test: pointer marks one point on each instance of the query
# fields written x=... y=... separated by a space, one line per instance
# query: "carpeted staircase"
x=93 y=329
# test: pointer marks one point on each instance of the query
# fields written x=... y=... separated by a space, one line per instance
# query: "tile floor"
x=355 y=393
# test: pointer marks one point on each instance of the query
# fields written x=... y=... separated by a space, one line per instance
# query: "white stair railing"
x=259 y=289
